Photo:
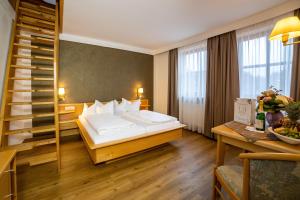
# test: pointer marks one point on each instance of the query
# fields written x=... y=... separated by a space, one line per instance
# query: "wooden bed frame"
x=100 y=153
x=69 y=122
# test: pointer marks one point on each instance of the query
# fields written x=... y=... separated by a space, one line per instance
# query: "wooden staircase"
x=31 y=84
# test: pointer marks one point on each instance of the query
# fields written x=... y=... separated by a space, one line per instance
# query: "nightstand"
x=145 y=104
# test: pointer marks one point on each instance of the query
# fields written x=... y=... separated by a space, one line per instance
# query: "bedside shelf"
x=61 y=112
x=67 y=121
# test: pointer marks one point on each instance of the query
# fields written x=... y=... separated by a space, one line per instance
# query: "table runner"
x=250 y=136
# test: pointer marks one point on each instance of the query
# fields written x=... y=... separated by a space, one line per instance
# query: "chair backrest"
x=273 y=179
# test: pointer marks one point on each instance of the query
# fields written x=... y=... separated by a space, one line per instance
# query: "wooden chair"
x=263 y=176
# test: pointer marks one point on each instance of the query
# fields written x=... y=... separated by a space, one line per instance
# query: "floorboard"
x=179 y=170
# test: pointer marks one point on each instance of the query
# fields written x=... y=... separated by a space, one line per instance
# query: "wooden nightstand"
x=8 y=175
x=145 y=104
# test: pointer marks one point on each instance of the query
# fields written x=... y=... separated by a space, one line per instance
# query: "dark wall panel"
x=89 y=72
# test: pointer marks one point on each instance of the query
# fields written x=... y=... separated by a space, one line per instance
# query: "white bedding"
x=113 y=136
x=154 y=127
x=139 y=130
x=149 y=117
x=103 y=123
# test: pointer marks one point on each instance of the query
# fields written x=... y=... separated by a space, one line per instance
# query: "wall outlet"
x=70 y=108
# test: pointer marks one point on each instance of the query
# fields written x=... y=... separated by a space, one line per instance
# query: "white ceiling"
x=154 y=24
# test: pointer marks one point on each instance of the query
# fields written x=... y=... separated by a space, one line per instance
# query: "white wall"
x=6 y=17
x=161 y=82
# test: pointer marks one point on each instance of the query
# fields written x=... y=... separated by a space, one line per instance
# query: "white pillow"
x=85 y=109
x=119 y=107
x=92 y=109
x=132 y=106
x=107 y=108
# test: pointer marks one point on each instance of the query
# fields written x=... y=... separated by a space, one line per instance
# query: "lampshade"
x=61 y=91
x=285 y=29
x=140 y=90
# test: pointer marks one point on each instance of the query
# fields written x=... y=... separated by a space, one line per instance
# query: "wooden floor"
x=180 y=170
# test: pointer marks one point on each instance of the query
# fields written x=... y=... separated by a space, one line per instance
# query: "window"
x=263 y=63
x=192 y=85
x=192 y=72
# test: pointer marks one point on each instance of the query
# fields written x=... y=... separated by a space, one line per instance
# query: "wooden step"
x=34 y=103
x=36 y=29
x=33 y=90
x=36 y=23
x=32 y=67
x=34 y=47
x=32 y=78
x=37 y=160
x=47 y=58
x=31 y=116
x=37 y=39
x=36 y=14
x=30 y=145
x=34 y=130
x=38 y=8
x=48 y=8
x=36 y=20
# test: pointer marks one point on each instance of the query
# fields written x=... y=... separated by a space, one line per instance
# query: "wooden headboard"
x=68 y=114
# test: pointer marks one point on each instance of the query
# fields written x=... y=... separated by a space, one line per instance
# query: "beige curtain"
x=295 y=83
x=173 y=105
x=222 y=86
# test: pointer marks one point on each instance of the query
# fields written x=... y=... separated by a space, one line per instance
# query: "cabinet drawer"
x=67 y=125
x=5 y=184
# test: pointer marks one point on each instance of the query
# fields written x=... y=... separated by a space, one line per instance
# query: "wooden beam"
x=6 y=79
x=56 y=68
x=61 y=15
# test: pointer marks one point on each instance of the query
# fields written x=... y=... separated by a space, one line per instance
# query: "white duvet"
x=103 y=123
x=149 y=117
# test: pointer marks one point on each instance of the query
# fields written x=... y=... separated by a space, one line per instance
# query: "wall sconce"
x=140 y=92
x=61 y=94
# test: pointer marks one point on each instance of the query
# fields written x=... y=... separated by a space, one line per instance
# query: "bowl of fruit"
x=288 y=128
x=288 y=135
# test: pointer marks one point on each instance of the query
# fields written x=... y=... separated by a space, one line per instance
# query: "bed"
x=141 y=136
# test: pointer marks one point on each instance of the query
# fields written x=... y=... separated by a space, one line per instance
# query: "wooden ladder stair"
x=34 y=38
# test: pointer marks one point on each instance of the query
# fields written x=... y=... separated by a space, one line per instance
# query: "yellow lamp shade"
x=140 y=90
x=61 y=91
x=286 y=29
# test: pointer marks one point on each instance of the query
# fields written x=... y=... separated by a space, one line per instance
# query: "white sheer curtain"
x=263 y=63
x=192 y=66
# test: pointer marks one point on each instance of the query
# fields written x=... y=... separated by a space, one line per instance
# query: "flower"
x=269 y=93
x=273 y=100
x=267 y=99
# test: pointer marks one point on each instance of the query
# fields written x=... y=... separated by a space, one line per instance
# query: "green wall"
x=89 y=72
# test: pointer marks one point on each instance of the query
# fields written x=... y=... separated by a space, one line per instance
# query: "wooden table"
x=228 y=136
